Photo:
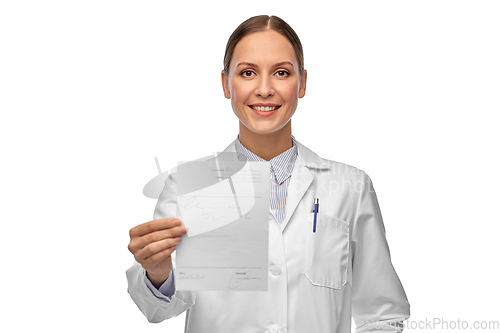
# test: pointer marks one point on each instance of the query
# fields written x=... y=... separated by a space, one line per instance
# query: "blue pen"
x=316 y=211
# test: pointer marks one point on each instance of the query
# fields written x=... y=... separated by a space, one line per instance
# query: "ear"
x=303 y=80
x=225 y=85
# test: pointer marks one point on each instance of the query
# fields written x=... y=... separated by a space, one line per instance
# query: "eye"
x=282 y=73
x=244 y=73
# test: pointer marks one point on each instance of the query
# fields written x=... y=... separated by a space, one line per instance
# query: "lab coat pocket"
x=327 y=251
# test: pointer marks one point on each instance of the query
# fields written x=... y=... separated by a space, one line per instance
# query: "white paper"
x=217 y=205
x=225 y=205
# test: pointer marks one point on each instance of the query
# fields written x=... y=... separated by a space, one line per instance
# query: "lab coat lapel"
x=299 y=184
x=302 y=177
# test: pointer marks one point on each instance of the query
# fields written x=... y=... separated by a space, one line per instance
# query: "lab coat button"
x=274 y=328
x=271 y=176
x=276 y=270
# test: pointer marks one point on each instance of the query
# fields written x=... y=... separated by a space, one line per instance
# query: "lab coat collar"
x=310 y=159
x=302 y=177
x=306 y=157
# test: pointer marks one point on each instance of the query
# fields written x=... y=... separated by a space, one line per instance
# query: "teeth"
x=264 y=108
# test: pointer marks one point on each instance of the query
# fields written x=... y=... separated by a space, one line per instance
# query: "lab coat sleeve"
x=165 y=291
x=379 y=302
x=157 y=309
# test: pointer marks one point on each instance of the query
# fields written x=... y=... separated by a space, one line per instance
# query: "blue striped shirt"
x=280 y=175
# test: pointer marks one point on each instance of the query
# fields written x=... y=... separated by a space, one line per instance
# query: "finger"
x=158 y=257
x=159 y=235
x=138 y=243
x=151 y=226
x=156 y=247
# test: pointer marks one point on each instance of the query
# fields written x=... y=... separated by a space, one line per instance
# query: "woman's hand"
x=152 y=244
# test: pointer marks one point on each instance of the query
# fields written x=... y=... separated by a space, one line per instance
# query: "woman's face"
x=263 y=83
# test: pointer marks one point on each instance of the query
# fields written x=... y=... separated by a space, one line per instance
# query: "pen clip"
x=316 y=205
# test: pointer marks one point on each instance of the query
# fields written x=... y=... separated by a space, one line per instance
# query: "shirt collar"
x=281 y=165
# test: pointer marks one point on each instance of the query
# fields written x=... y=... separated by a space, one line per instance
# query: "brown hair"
x=261 y=23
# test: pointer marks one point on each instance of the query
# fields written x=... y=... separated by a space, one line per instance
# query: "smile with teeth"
x=265 y=108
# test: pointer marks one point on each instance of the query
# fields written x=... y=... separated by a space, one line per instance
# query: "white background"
x=91 y=91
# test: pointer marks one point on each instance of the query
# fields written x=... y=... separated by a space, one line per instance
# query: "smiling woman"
x=264 y=82
x=324 y=266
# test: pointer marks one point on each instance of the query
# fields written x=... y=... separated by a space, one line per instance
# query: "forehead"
x=264 y=47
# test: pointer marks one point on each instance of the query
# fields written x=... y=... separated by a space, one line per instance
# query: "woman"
x=317 y=281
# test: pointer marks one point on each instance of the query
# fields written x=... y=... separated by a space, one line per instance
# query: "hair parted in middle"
x=262 y=23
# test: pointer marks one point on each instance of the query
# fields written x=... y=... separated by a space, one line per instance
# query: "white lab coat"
x=317 y=281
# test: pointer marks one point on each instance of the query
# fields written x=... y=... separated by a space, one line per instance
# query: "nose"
x=264 y=87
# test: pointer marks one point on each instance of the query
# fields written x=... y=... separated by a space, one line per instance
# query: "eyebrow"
x=254 y=65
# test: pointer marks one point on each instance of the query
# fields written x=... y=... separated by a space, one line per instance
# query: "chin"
x=264 y=130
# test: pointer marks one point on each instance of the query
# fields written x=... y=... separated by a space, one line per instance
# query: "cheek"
x=291 y=94
x=240 y=92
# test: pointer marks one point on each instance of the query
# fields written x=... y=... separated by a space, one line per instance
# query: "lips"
x=264 y=104
x=264 y=107
x=267 y=113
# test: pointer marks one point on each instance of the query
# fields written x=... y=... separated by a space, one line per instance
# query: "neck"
x=269 y=145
